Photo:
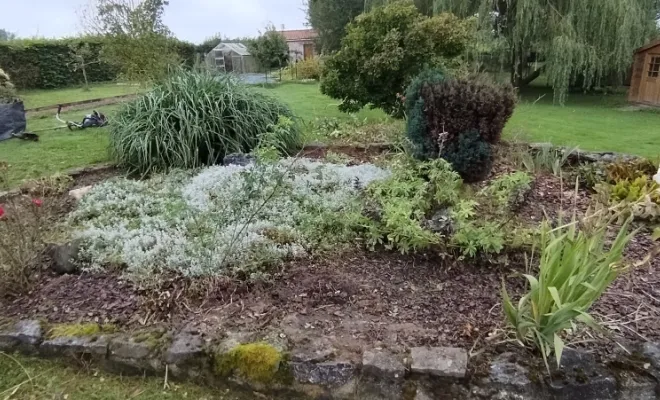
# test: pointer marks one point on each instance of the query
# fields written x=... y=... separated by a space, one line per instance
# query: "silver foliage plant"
x=224 y=220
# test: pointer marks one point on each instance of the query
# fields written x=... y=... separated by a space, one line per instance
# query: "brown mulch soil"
x=356 y=298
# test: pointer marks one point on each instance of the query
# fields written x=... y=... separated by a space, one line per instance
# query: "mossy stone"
x=259 y=363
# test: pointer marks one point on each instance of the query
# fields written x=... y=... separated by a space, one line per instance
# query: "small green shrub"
x=591 y=174
x=576 y=267
x=405 y=198
x=305 y=69
x=640 y=197
x=470 y=156
x=509 y=191
x=546 y=158
x=630 y=170
x=194 y=119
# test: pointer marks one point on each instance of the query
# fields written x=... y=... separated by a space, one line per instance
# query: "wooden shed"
x=645 y=84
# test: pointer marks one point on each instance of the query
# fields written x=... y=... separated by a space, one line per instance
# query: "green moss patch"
x=153 y=339
x=254 y=362
x=80 y=330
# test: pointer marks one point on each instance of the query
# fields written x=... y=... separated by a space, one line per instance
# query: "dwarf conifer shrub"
x=194 y=119
x=470 y=155
x=441 y=109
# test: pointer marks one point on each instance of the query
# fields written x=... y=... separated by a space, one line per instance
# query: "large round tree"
x=572 y=41
x=384 y=49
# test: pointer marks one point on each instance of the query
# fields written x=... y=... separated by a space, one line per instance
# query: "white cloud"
x=191 y=20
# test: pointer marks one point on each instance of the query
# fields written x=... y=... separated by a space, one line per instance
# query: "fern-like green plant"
x=575 y=269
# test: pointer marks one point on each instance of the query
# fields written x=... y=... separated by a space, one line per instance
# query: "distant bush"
x=50 y=63
x=306 y=69
x=7 y=91
x=194 y=119
x=470 y=155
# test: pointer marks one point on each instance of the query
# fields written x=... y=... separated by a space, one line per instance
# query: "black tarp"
x=12 y=119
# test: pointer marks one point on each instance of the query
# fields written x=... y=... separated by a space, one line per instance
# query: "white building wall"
x=296 y=50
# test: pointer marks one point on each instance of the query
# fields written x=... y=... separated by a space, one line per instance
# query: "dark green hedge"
x=48 y=64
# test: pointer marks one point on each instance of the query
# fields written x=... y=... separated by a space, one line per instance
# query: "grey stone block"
x=634 y=386
x=506 y=373
x=580 y=377
x=185 y=347
x=327 y=373
x=448 y=362
x=23 y=335
x=124 y=347
x=95 y=346
x=381 y=363
x=652 y=352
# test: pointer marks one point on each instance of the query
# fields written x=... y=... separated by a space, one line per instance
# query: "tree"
x=571 y=41
x=383 y=50
x=137 y=40
x=330 y=17
x=270 y=49
x=6 y=35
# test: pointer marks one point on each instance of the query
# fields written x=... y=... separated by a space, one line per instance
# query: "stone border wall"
x=270 y=367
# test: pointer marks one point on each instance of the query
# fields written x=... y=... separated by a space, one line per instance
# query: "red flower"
x=2 y=211
x=37 y=202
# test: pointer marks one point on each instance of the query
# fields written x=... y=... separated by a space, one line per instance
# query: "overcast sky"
x=191 y=20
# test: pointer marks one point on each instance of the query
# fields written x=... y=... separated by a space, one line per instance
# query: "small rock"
x=652 y=352
x=380 y=363
x=80 y=193
x=25 y=334
x=184 y=348
x=327 y=373
x=238 y=159
x=440 y=222
x=422 y=395
x=75 y=346
x=580 y=377
x=126 y=348
x=634 y=386
x=507 y=373
x=439 y=361
x=64 y=257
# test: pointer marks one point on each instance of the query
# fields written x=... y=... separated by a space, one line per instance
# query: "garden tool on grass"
x=93 y=120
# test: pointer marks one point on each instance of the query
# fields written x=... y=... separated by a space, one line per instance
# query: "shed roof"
x=299 y=34
x=238 y=48
x=649 y=46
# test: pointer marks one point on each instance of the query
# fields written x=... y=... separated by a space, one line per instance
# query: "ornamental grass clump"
x=577 y=264
x=194 y=119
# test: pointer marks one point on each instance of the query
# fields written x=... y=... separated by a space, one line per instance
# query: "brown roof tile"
x=299 y=34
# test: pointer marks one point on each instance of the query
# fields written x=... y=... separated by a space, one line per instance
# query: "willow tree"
x=571 y=41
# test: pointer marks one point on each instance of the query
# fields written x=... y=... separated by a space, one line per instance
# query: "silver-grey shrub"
x=231 y=221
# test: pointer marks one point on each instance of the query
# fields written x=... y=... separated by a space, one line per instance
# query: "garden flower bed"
x=156 y=253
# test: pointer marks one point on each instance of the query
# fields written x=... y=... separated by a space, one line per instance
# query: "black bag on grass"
x=12 y=120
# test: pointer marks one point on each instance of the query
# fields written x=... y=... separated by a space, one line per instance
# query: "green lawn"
x=23 y=378
x=589 y=121
x=42 y=98
x=592 y=122
x=56 y=150
x=308 y=103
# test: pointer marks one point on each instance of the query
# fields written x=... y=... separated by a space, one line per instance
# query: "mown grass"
x=42 y=98
x=589 y=121
x=56 y=150
x=23 y=378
